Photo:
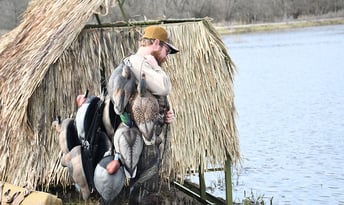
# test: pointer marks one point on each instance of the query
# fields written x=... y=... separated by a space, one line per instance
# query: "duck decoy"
x=128 y=142
x=85 y=116
x=68 y=136
x=73 y=160
x=108 y=185
x=110 y=119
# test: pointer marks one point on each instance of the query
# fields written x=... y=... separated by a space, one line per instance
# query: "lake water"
x=290 y=102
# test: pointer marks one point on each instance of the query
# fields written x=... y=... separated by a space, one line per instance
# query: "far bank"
x=235 y=28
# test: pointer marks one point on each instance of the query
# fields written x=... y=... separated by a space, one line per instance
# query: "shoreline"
x=228 y=29
x=264 y=27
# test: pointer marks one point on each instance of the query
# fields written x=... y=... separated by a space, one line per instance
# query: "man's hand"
x=169 y=117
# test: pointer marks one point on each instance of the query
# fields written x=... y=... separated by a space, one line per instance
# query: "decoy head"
x=57 y=124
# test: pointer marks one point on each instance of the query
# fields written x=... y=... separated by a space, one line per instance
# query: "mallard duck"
x=145 y=112
x=121 y=85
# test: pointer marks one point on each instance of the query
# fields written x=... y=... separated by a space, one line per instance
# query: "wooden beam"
x=141 y=23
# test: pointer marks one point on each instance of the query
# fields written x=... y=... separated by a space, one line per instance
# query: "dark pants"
x=145 y=187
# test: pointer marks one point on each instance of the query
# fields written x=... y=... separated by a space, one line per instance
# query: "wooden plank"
x=211 y=198
x=192 y=193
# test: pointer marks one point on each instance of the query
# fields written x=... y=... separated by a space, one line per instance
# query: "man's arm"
x=157 y=81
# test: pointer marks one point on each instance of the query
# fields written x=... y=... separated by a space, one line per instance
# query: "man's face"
x=161 y=54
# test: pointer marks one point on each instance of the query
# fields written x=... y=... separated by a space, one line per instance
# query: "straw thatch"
x=203 y=96
x=28 y=148
x=52 y=60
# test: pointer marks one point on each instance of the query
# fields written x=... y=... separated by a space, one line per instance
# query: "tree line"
x=241 y=11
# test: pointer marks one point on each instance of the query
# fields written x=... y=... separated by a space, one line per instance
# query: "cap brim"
x=172 y=48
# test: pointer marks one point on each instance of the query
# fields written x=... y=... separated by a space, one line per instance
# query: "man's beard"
x=158 y=58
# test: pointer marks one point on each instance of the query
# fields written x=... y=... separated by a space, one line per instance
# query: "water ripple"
x=289 y=95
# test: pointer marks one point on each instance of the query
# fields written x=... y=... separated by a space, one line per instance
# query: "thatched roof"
x=52 y=59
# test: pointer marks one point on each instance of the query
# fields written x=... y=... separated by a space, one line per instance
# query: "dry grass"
x=28 y=149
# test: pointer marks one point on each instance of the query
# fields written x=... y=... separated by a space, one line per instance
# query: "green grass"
x=256 y=199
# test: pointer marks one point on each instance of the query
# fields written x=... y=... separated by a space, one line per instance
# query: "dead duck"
x=144 y=109
x=121 y=85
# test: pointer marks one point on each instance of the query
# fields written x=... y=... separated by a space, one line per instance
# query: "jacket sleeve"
x=157 y=81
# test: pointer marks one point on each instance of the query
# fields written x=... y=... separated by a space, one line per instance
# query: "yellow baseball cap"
x=158 y=32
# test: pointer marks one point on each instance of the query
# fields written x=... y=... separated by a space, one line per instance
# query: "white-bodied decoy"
x=128 y=142
x=108 y=185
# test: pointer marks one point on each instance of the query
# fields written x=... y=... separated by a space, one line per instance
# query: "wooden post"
x=228 y=179
x=202 y=186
